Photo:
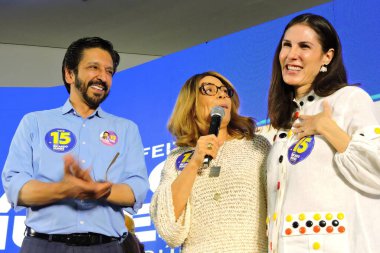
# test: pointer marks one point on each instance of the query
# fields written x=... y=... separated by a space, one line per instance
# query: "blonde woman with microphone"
x=211 y=197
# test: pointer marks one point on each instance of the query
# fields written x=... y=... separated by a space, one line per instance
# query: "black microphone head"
x=217 y=111
x=217 y=114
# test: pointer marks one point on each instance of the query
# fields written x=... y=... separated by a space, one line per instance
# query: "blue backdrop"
x=146 y=94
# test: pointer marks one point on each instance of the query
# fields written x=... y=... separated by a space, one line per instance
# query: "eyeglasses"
x=211 y=89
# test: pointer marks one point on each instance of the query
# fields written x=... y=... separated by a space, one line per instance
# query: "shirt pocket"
x=322 y=232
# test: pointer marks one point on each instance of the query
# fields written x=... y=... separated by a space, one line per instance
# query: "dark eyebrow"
x=92 y=63
x=305 y=43
x=97 y=64
x=300 y=43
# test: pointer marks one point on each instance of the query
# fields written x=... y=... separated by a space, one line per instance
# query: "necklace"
x=214 y=172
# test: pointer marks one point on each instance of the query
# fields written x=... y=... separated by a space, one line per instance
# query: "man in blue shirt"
x=76 y=168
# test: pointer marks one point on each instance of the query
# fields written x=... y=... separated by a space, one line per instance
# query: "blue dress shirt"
x=36 y=152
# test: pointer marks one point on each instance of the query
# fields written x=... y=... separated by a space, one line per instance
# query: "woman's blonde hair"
x=184 y=123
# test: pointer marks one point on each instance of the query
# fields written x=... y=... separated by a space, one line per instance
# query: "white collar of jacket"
x=309 y=98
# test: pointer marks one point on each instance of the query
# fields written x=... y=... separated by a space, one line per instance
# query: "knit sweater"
x=224 y=213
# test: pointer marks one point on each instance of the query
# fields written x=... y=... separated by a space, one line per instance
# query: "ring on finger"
x=209 y=146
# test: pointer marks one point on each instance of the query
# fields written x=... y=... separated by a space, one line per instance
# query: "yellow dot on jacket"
x=316 y=245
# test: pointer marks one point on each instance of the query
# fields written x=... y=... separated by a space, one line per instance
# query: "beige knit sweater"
x=223 y=214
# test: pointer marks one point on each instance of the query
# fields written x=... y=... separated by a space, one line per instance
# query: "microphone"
x=217 y=114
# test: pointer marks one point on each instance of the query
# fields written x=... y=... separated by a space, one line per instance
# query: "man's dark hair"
x=74 y=54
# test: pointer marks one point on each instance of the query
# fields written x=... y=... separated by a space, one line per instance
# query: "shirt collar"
x=309 y=98
x=68 y=108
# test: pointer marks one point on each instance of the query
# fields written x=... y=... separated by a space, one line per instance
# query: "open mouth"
x=98 y=87
x=293 y=67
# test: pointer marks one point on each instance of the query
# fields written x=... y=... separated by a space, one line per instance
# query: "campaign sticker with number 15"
x=60 y=140
x=183 y=160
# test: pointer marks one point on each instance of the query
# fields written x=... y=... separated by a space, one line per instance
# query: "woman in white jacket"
x=324 y=167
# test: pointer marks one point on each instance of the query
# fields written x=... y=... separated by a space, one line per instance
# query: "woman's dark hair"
x=281 y=95
x=74 y=54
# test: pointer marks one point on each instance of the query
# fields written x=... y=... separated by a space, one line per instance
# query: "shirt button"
x=83 y=161
x=280 y=158
x=81 y=222
x=301 y=103
x=296 y=115
x=310 y=98
x=83 y=125
x=83 y=142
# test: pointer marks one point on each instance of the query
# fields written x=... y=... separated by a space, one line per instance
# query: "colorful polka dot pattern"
x=370 y=132
x=312 y=223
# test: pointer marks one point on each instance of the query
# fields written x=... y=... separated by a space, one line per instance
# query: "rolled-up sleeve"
x=18 y=167
x=136 y=172
x=173 y=231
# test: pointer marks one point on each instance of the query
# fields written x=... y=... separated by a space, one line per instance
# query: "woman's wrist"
x=326 y=126
x=194 y=165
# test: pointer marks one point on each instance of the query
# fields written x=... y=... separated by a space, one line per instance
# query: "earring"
x=323 y=69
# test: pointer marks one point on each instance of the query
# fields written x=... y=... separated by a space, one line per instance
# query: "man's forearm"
x=36 y=193
x=121 y=194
